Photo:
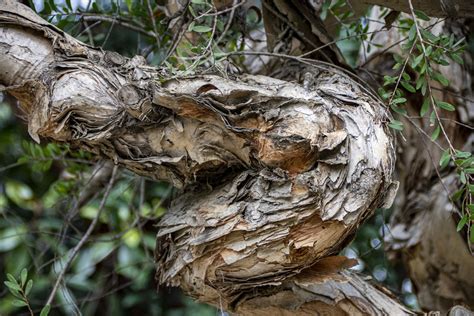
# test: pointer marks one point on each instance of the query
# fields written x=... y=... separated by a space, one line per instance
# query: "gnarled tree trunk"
x=275 y=176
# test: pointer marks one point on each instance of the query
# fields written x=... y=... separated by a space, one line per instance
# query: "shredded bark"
x=275 y=175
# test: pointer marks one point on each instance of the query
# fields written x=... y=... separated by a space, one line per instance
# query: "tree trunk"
x=276 y=176
x=423 y=226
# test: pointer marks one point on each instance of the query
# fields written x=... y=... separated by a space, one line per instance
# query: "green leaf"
x=408 y=86
x=384 y=94
x=428 y=35
x=432 y=118
x=11 y=278
x=399 y=100
x=463 y=154
x=458 y=194
x=441 y=79
x=443 y=62
x=425 y=107
x=396 y=125
x=417 y=61
x=471 y=188
x=389 y=80
x=468 y=162
x=198 y=1
x=424 y=87
x=445 y=158
x=19 y=303
x=435 y=134
x=16 y=293
x=23 y=276
x=420 y=82
x=462 y=222
x=445 y=105
x=472 y=234
x=429 y=50
x=421 y=15
x=28 y=287
x=52 y=5
x=201 y=28
x=12 y=286
x=398 y=110
x=456 y=58
x=45 y=310
x=129 y=4
x=412 y=33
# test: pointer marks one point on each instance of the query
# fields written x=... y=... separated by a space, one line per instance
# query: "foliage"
x=423 y=54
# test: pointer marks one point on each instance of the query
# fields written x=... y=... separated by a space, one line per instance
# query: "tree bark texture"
x=423 y=226
x=275 y=176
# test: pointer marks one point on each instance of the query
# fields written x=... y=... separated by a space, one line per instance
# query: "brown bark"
x=276 y=176
x=294 y=27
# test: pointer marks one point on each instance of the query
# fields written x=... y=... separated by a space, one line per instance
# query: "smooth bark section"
x=276 y=175
x=436 y=255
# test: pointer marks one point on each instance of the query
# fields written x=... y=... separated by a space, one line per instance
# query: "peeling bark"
x=276 y=176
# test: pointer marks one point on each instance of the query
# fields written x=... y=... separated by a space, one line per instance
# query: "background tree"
x=192 y=37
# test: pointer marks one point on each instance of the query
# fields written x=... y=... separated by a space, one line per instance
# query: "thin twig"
x=418 y=32
x=83 y=239
x=153 y=21
x=114 y=20
x=321 y=65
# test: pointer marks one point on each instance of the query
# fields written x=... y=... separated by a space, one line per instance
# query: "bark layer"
x=276 y=176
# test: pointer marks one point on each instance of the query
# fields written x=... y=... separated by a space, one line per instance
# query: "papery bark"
x=276 y=176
